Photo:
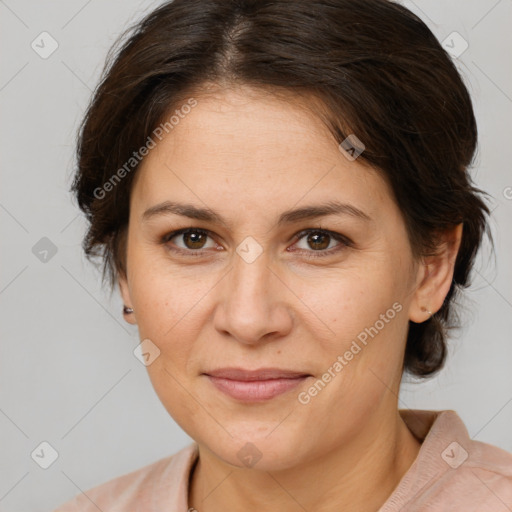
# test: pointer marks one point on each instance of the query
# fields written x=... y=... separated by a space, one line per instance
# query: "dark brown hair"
x=376 y=71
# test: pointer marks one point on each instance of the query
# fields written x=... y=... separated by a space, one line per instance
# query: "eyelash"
x=344 y=242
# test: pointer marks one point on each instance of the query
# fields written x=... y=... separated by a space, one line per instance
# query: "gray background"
x=67 y=372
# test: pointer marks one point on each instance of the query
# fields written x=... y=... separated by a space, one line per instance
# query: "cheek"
x=349 y=299
x=165 y=301
x=359 y=316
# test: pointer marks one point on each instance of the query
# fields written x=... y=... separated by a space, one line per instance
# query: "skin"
x=250 y=156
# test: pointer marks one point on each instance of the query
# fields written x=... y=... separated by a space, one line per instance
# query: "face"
x=252 y=286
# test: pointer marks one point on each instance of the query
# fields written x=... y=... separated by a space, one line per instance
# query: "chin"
x=254 y=448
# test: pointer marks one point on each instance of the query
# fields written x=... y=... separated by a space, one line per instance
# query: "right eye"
x=193 y=241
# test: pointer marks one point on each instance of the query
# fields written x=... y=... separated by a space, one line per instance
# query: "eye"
x=193 y=241
x=320 y=241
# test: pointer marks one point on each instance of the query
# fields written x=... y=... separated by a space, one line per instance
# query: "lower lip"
x=256 y=390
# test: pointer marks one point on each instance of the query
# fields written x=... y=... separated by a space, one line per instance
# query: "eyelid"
x=344 y=242
x=168 y=236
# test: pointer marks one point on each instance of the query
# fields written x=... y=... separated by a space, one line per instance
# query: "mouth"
x=255 y=385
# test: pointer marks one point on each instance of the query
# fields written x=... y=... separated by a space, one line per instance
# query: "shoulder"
x=161 y=483
x=453 y=469
x=485 y=475
x=462 y=452
x=478 y=479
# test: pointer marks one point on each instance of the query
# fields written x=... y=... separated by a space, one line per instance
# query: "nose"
x=254 y=303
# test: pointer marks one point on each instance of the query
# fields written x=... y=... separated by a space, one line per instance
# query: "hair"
x=368 y=67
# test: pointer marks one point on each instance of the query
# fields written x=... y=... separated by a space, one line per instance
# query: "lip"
x=255 y=385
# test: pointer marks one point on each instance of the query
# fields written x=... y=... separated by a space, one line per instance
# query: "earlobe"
x=435 y=277
x=128 y=312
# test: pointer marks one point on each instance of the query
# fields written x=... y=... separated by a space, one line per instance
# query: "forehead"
x=254 y=150
x=246 y=124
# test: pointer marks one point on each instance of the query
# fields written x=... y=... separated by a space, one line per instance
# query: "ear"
x=127 y=301
x=435 y=276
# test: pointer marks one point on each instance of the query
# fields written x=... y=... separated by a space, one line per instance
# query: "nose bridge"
x=252 y=305
x=250 y=286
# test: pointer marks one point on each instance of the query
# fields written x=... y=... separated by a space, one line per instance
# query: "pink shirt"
x=451 y=473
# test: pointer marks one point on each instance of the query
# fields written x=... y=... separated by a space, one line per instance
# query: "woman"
x=281 y=191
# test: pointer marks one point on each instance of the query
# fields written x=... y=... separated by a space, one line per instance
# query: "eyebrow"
x=287 y=217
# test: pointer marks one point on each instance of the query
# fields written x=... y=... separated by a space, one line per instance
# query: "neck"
x=357 y=476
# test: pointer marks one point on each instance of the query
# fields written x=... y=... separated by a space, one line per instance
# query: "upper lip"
x=251 y=375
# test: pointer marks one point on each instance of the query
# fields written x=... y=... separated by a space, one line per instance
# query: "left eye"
x=320 y=241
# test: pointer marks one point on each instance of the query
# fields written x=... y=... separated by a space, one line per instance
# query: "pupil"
x=314 y=237
x=193 y=240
